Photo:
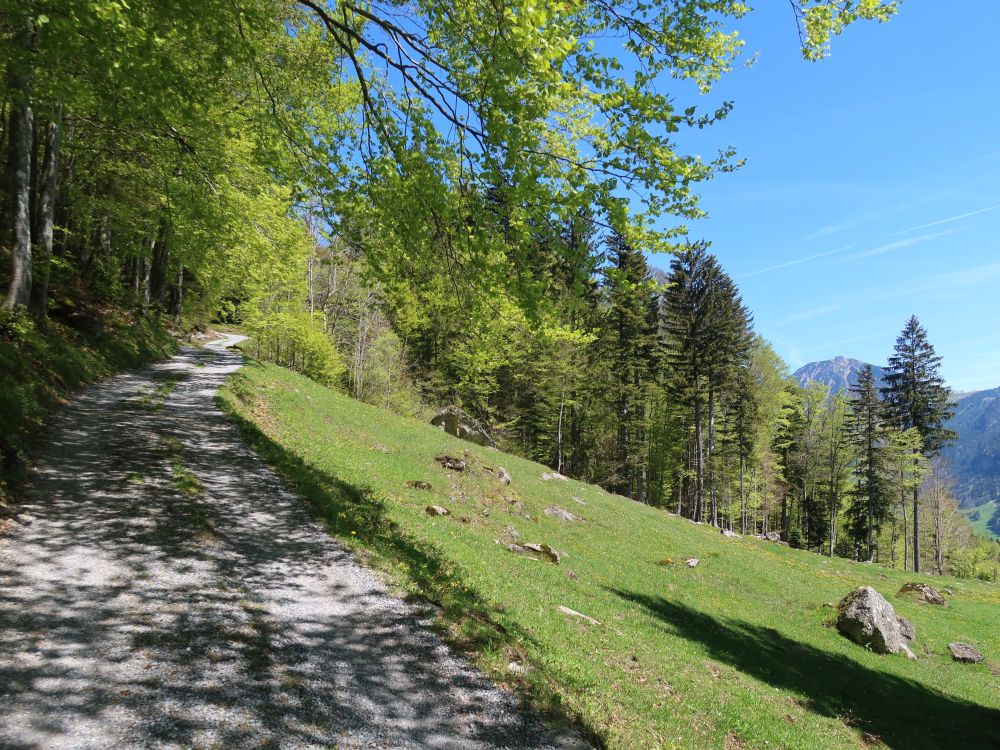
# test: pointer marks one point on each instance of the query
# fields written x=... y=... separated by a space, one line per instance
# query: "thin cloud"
x=815 y=312
x=946 y=221
x=797 y=261
x=966 y=277
x=898 y=245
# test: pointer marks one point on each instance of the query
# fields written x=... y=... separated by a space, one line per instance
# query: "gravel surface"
x=163 y=589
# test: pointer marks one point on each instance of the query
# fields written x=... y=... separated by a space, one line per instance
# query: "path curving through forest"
x=163 y=589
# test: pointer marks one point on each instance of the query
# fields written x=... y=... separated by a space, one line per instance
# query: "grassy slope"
x=986 y=511
x=734 y=653
x=39 y=370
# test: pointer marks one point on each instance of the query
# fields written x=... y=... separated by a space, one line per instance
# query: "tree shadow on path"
x=901 y=712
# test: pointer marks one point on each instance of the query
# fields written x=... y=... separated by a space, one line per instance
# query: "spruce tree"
x=630 y=334
x=869 y=503
x=708 y=338
x=917 y=398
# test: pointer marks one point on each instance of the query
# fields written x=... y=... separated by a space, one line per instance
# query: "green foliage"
x=296 y=340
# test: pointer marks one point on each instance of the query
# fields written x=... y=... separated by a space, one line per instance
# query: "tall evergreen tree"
x=870 y=506
x=917 y=398
x=708 y=338
x=631 y=332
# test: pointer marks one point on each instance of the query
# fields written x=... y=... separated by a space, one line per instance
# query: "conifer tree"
x=869 y=506
x=631 y=335
x=917 y=398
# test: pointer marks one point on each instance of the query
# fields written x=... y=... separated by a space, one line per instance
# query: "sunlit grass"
x=736 y=652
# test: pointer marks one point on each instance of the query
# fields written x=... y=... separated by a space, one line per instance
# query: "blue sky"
x=872 y=187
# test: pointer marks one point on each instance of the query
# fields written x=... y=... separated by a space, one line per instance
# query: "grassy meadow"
x=737 y=652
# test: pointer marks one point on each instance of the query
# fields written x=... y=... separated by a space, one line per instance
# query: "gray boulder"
x=456 y=422
x=906 y=628
x=867 y=618
x=562 y=514
x=772 y=536
x=965 y=653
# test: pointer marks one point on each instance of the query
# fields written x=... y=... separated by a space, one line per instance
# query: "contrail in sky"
x=946 y=221
x=798 y=261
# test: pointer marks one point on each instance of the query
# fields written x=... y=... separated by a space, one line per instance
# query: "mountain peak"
x=839 y=373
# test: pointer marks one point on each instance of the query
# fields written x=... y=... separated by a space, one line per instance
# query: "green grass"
x=737 y=652
x=39 y=370
x=982 y=515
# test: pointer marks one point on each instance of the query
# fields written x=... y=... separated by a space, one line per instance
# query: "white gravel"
x=124 y=625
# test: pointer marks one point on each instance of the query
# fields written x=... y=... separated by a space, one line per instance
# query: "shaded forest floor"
x=39 y=370
x=737 y=652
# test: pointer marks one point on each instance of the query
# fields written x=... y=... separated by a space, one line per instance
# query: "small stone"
x=579 y=500
x=437 y=510
x=772 y=536
x=965 y=653
x=450 y=462
x=922 y=593
x=503 y=475
x=545 y=551
x=692 y=562
x=578 y=615
x=516 y=667
x=562 y=514
x=417 y=484
x=730 y=534
x=554 y=475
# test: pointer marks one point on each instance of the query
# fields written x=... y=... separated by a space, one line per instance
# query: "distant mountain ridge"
x=974 y=459
x=839 y=373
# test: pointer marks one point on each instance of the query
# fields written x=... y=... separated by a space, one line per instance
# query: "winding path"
x=163 y=589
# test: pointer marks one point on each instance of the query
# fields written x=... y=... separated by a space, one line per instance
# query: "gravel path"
x=163 y=589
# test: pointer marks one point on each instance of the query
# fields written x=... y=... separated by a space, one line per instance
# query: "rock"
x=450 y=462
x=516 y=667
x=456 y=422
x=562 y=514
x=868 y=619
x=579 y=500
x=503 y=475
x=922 y=593
x=545 y=551
x=437 y=510
x=906 y=628
x=905 y=651
x=949 y=592
x=578 y=615
x=692 y=562
x=965 y=653
x=772 y=536
x=418 y=484
x=730 y=534
x=510 y=531
x=554 y=475
x=517 y=549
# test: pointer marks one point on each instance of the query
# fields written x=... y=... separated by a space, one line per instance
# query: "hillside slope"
x=736 y=652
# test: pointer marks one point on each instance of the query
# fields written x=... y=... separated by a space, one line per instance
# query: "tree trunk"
x=19 y=291
x=699 y=461
x=159 y=267
x=45 y=212
x=916 y=529
x=711 y=454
